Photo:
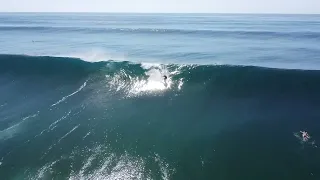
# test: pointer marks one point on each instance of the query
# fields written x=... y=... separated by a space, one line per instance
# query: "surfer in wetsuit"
x=165 y=77
x=165 y=80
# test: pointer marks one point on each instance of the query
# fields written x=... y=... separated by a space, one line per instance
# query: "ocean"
x=83 y=96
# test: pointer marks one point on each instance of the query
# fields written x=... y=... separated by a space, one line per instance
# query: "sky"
x=164 y=6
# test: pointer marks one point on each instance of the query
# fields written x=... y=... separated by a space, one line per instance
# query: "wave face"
x=66 y=118
x=222 y=79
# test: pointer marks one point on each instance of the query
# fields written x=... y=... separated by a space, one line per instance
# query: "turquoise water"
x=82 y=96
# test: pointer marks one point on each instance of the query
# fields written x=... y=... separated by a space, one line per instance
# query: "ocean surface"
x=82 y=96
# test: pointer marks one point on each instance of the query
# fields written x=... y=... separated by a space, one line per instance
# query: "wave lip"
x=42 y=65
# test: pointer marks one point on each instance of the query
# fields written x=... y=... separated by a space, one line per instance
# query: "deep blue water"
x=82 y=96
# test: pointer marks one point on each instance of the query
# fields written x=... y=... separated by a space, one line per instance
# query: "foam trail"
x=59 y=141
x=65 y=97
x=40 y=133
x=53 y=125
x=86 y=135
x=25 y=118
x=68 y=133
x=57 y=121
x=10 y=131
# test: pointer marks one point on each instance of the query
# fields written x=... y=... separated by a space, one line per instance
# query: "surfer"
x=165 y=80
x=165 y=77
x=305 y=136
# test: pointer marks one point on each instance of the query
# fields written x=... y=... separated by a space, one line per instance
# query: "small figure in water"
x=305 y=136
x=165 y=80
x=165 y=77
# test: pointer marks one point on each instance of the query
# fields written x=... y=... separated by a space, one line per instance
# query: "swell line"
x=176 y=31
x=64 y=136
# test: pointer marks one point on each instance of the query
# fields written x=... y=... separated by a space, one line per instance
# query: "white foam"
x=126 y=167
x=180 y=84
x=139 y=85
x=95 y=55
x=43 y=172
x=165 y=170
x=155 y=82
x=148 y=65
x=65 y=97
x=102 y=164
x=117 y=81
x=305 y=138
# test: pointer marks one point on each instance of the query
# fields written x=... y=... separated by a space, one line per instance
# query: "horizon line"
x=124 y=12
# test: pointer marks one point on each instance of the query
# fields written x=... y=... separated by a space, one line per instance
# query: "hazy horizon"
x=165 y=6
x=89 y=12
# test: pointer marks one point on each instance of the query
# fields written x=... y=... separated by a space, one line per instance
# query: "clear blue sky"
x=166 y=6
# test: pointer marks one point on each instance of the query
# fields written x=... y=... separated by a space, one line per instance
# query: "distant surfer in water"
x=305 y=136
